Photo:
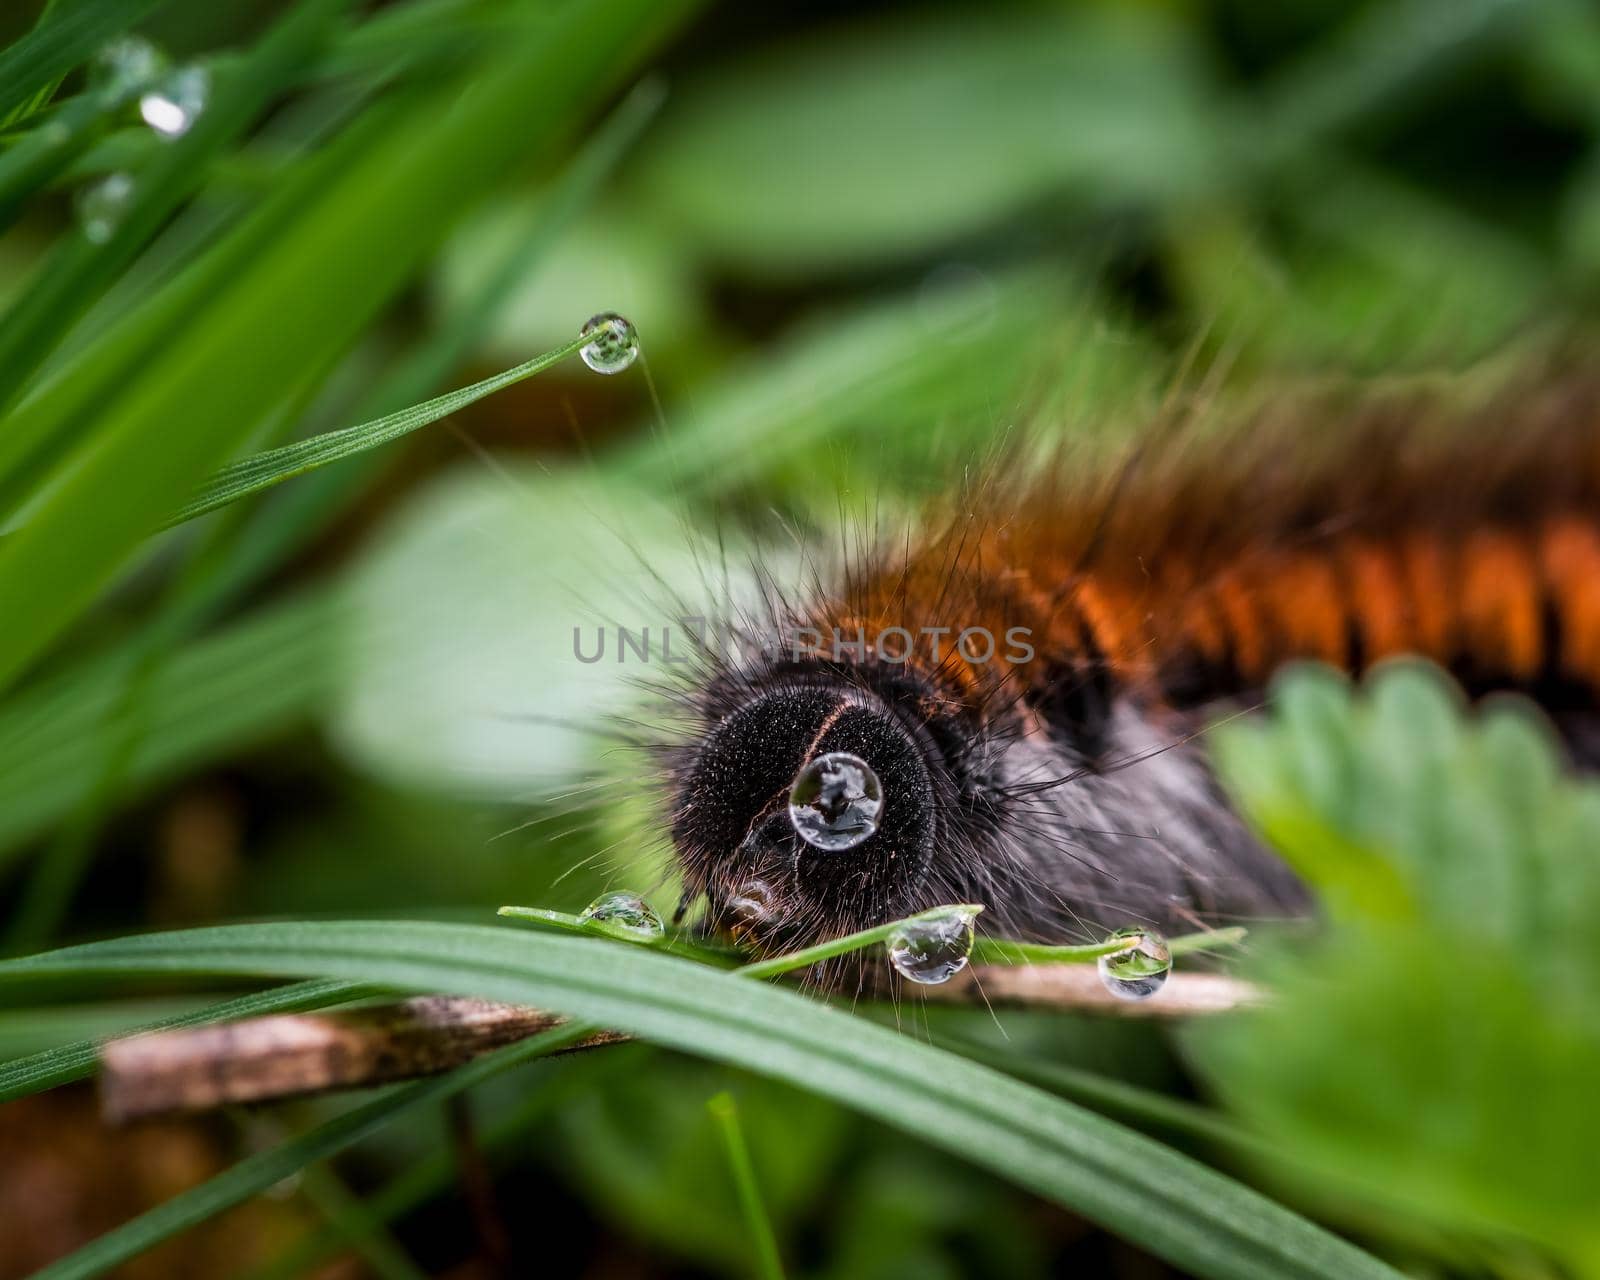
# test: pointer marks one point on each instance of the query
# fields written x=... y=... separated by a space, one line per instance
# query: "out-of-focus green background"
x=862 y=245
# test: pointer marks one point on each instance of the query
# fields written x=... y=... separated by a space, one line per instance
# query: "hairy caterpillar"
x=1068 y=788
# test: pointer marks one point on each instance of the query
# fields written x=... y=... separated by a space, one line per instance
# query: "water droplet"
x=615 y=344
x=753 y=903
x=1139 y=970
x=173 y=105
x=125 y=64
x=836 y=801
x=101 y=205
x=933 y=948
x=625 y=913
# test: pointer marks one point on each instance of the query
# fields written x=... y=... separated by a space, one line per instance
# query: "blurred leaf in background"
x=1459 y=870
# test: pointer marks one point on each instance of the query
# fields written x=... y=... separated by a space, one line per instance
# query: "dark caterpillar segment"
x=1069 y=789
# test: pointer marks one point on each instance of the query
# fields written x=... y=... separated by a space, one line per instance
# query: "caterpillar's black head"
x=738 y=842
x=1007 y=799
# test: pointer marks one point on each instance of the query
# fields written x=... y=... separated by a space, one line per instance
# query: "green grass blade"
x=80 y=270
x=255 y=474
x=361 y=1229
x=422 y=1181
x=52 y=1067
x=55 y=727
x=42 y=154
x=238 y=686
x=68 y=35
x=1190 y=1215
x=355 y=236
x=275 y=531
x=769 y=1266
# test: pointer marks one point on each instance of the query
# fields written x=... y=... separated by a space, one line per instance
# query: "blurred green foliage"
x=864 y=250
x=1457 y=865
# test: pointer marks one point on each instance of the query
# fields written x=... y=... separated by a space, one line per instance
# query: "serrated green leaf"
x=1446 y=1028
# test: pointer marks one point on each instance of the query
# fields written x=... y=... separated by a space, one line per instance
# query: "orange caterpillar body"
x=1193 y=571
x=1063 y=781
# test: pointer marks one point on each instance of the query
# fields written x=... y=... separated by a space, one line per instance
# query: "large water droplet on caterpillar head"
x=933 y=948
x=626 y=913
x=836 y=801
x=613 y=345
x=1140 y=969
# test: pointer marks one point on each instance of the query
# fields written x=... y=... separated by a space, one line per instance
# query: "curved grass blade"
x=38 y=782
x=80 y=269
x=726 y=1117
x=347 y=1213
x=66 y=36
x=252 y=475
x=40 y=1071
x=364 y=213
x=1196 y=1218
x=424 y=1180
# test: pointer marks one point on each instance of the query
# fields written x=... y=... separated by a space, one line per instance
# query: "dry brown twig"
x=288 y=1055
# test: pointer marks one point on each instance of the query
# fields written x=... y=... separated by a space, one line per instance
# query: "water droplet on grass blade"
x=100 y=206
x=173 y=105
x=625 y=913
x=932 y=948
x=125 y=63
x=836 y=801
x=1140 y=969
x=613 y=346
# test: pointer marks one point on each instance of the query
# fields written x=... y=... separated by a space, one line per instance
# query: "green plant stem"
x=570 y=923
x=30 y=68
x=1001 y=951
x=984 y=950
x=808 y=956
x=769 y=1265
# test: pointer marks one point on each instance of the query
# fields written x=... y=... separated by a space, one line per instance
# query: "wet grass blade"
x=366 y=211
x=252 y=475
x=80 y=269
x=1194 y=1217
x=67 y=36
x=55 y=728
